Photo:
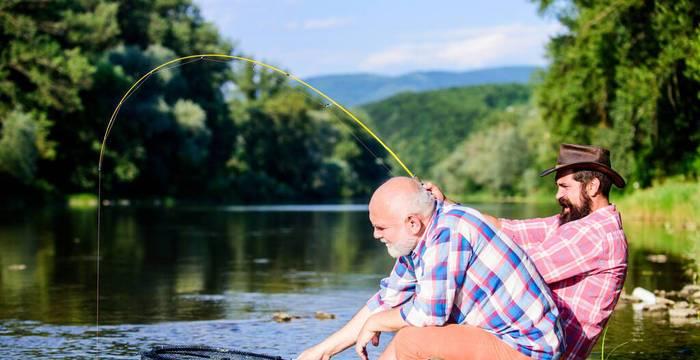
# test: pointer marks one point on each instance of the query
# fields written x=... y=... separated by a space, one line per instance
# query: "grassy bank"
x=82 y=201
x=674 y=201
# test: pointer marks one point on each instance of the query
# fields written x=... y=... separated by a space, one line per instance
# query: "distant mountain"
x=356 y=89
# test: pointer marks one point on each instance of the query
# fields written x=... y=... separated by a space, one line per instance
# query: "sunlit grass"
x=675 y=201
x=82 y=201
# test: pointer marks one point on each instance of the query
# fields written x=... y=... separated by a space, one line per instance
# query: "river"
x=216 y=275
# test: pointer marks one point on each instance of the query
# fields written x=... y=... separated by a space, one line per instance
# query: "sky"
x=388 y=37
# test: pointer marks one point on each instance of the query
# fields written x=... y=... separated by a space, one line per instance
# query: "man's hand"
x=364 y=337
x=494 y=221
x=435 y=190
x=340 y=340
x=316 y=352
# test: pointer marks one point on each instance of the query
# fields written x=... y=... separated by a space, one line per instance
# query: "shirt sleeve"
x=396 y=289
x=444 y=265
x=531 y=232
x=572 y=250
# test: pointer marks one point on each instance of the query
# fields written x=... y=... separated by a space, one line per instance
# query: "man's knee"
x=407 y=343
x=407 y=335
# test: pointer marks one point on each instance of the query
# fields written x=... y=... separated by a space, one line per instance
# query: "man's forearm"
x=387 y=321
x=346 y=336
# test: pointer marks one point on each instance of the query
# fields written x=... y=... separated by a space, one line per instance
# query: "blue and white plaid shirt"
x=462 y=272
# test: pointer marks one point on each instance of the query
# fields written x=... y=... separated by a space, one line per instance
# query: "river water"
x=216 y=275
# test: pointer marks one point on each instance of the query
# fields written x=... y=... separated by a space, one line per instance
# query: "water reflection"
x=216 y=275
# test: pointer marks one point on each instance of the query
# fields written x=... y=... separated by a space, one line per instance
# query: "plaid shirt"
x=461 y=272
x=584 y=262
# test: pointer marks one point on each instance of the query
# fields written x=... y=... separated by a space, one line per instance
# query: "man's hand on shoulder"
x=436 y=192
x=493 y=221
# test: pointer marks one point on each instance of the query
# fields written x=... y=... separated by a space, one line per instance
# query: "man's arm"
x=438 y=195
x=394 y=290
x=573 y=250
x=529 y=233
x=389 y=321
x=436 y=192
x=340 y=340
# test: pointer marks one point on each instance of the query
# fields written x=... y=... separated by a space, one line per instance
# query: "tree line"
x=623 y=74
x=210 y=130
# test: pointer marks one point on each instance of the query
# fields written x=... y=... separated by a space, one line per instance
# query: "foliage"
x=18 y=146
x=496 y=159
x=425 y=128
x=626 y=75
x=673 y=200
x=207 y=130
x=290 y=144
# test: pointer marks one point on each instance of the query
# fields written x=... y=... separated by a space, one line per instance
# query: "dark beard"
x=574 y=213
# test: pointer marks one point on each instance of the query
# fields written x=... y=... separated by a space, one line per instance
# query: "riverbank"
x=676 y=202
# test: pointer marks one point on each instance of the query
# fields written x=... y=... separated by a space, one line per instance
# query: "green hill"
x=355 y=89
x=424 y=128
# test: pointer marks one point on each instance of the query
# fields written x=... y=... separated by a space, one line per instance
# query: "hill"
x=356 y=89
x=424 y=128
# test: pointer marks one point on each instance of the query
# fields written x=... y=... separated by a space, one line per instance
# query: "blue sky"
x=309 y=37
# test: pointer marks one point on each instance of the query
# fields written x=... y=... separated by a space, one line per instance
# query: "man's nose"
x=560 y=194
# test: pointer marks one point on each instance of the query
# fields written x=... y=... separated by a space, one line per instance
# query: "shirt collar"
x=604 y=212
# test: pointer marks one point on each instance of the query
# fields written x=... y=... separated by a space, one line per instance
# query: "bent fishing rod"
x=182 y=61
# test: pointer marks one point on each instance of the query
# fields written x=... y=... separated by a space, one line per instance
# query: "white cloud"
x=466 y=48
x=323 y=24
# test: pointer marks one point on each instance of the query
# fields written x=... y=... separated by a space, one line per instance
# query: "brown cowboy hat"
x=586 y=157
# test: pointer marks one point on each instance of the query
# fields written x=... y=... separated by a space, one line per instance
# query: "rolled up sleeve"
x=396 y=289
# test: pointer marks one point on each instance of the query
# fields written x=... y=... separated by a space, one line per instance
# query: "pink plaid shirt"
x=584 y=262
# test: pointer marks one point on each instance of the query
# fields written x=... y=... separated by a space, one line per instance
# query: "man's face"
x=392 y=231
x=572 y=197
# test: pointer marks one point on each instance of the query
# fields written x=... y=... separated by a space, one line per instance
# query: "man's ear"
x=593 y=187
x=414 y=224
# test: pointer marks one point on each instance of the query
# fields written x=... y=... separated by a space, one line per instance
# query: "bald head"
x=399 y=211
x=402 y=196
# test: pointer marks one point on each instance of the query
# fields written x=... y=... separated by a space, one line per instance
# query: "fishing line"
x=142 y=81
x=181 y=61
x=347 y=123
x=344 y=121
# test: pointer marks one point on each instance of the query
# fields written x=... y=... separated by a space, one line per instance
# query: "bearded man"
x=458 y=290
x=581 y=252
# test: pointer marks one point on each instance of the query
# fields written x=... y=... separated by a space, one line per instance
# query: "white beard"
x=401 y=248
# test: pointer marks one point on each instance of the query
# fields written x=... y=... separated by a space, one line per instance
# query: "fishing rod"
x=143 y=78
x=179 y=62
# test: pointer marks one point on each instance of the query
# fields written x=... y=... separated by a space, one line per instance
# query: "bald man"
x=457 y=290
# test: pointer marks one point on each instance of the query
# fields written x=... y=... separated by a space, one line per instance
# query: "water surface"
x=216 y=276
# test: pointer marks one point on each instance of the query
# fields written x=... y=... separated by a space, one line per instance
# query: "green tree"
x=625 y=75
x=292 y=145
x=20 y=140
x=424 y=128
x=497 y=159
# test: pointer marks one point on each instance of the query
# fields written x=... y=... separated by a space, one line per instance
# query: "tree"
x=496 y=159
x=625 y=75
x=424 y=128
